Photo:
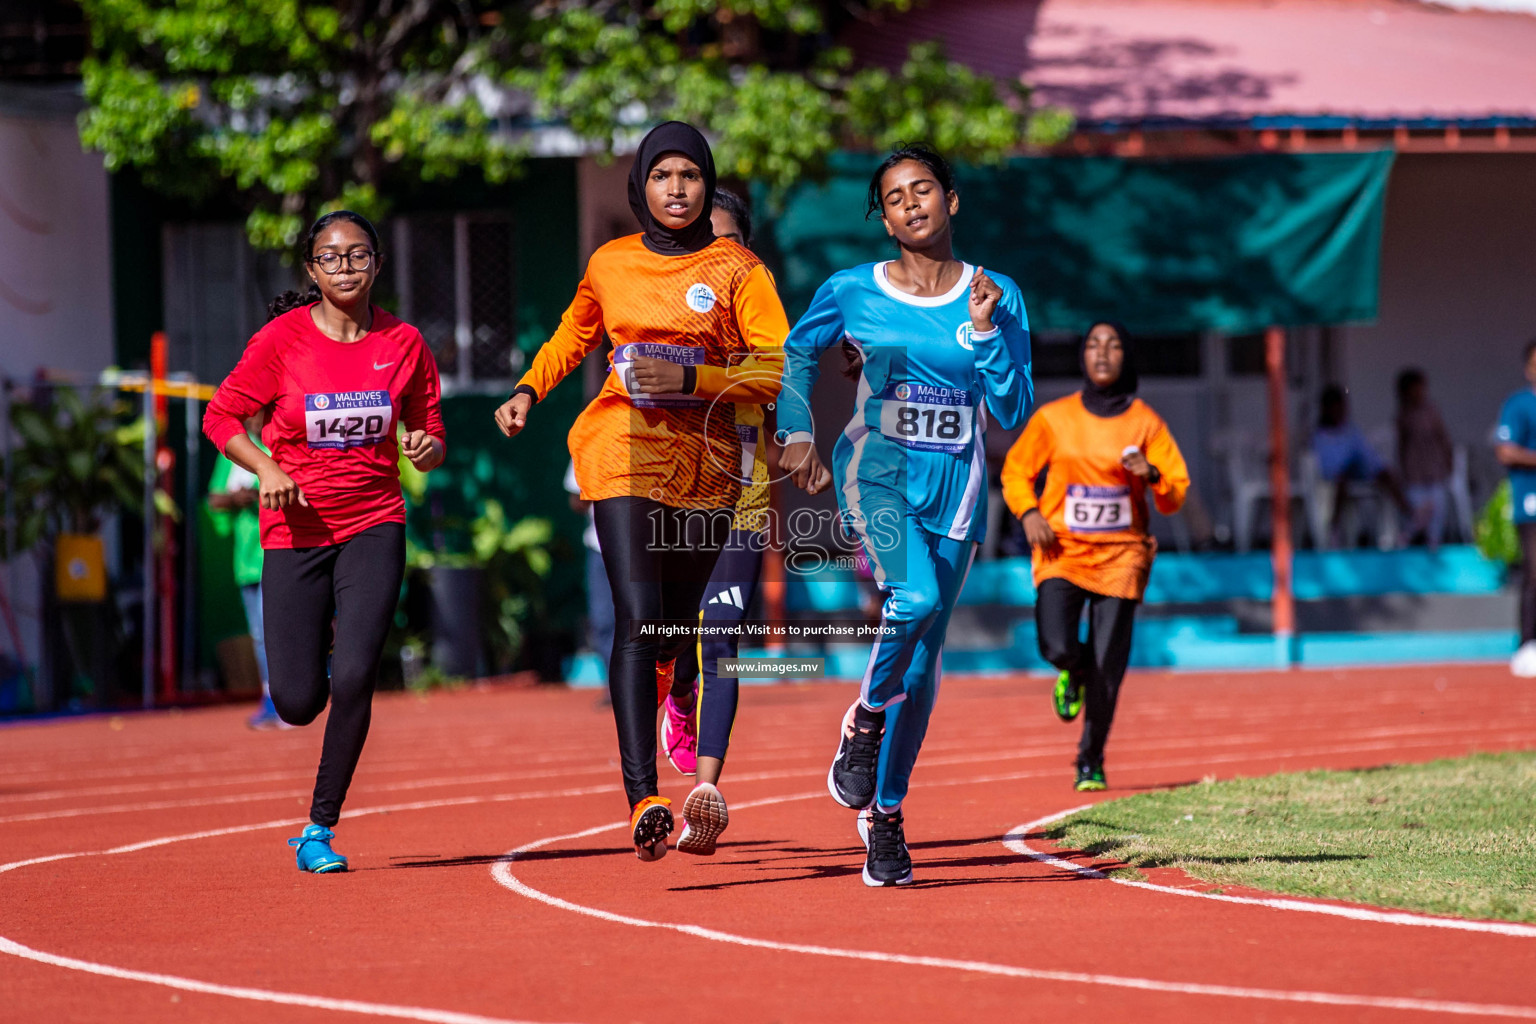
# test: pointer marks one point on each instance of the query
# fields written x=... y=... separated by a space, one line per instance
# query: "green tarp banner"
x=1234 y=244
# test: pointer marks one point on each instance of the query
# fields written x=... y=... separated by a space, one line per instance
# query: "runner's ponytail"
x=292 y=300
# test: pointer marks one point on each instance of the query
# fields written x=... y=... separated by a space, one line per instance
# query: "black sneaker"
x=1090 y=778
x=887 y=862
x=851 y=779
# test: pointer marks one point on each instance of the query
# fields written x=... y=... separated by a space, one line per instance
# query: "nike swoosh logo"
x=380 y=366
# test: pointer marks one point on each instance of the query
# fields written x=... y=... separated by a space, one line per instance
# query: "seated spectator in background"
x=1424 y=457
x=1344 y=457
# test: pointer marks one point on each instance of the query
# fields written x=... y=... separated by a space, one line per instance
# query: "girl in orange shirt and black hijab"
x=1101 y=450
x=697 y=327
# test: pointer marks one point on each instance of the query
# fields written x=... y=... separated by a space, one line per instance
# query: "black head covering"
x=673 y=137
x=1112 y=399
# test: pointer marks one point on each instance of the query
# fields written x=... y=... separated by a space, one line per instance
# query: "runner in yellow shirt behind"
x=1100 y=450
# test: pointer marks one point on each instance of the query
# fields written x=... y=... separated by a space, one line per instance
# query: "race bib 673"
x=347 y=419
x=1098 y=509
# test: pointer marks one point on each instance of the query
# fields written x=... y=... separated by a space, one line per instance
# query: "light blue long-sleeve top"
x=928 y=384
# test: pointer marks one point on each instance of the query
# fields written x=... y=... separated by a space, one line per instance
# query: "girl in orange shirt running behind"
x=1101 y=450
x=697 y=327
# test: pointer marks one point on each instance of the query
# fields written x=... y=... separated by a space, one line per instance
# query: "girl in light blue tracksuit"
x=944 y=344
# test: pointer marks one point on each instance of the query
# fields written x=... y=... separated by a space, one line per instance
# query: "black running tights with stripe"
x=658 y=560
x=1097 y=664
x=357 y=581
x=732 y=588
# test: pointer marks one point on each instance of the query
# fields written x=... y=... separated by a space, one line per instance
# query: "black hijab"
x=1112 y=399
x=672 y=137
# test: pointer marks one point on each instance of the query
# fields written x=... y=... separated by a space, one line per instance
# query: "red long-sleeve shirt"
x=335 y=410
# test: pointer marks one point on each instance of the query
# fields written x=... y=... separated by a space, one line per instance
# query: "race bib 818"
x=347 y=419
x=927 y=418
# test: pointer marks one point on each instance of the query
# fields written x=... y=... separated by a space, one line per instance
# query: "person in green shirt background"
x=233 y=490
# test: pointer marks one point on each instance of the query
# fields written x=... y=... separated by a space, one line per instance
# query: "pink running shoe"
x=679 y=737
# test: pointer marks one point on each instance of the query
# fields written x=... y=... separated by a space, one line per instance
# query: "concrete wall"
x=55 y=274
x=55 y=245
x=1458 y=292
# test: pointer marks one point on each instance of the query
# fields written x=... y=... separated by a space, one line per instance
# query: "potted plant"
x=484 y=579
x=77 y=462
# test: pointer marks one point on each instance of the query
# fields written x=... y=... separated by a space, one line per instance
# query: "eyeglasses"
x=357 y=259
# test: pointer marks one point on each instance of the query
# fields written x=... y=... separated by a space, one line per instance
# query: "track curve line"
x=1014 y=841
x=501 y=871
x=11 y=947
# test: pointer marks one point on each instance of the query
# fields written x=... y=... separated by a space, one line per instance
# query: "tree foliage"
x=293 y=107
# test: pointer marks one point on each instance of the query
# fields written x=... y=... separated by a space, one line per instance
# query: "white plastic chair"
x=1362 y=494
x=1460 y=486
x=1248 y=480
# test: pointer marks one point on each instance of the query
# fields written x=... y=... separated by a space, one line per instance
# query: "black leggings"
x=357 y=581
x=732 y=588
x=658 y=560
x=1527 y=582
x=1098 y=665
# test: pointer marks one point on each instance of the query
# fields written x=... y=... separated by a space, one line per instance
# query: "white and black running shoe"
x=887 y=861
x=851 y=779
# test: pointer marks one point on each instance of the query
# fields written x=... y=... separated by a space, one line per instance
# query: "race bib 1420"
x=347 y=419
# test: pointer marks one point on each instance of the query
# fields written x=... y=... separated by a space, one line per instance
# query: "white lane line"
x=14 y=948
x=445 y=1017
x=258 y=995
x=245 y=798
x=1012 y=754
x=501 y=871
x=1014 y=841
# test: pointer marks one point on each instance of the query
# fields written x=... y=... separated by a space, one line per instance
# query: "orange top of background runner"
x=1080 y=456
x=720 y=304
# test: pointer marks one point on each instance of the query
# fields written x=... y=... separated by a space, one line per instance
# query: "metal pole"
x=463 y=303
x=151 y=442
x=10 y=494
x=189 y=521
x=1284 y=602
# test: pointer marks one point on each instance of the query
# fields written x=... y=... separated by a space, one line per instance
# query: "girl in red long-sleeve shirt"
x=339 y=376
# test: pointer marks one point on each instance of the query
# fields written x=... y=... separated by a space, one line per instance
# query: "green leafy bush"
x=1494 y=533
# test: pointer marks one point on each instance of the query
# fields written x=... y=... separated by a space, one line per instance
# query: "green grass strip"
x=1453 y=837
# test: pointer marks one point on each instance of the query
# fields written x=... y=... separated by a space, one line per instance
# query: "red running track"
x=144 y=876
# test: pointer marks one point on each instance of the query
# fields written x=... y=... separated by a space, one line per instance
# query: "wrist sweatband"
x=690 y=379
x=524 y=389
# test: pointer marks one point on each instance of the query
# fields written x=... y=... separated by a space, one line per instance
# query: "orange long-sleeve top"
x=1097 y=508
x=715 y=310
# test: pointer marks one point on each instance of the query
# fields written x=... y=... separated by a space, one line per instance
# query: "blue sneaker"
x=315 y=853
x=265 y=716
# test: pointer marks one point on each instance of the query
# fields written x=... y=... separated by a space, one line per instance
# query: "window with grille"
x=454 y=279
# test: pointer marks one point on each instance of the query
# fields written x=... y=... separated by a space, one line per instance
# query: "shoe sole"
x=651 y=831
x=1070 y=713
x=1090 y=787
x=705 y=816
x=328 y=869
x=875 y=883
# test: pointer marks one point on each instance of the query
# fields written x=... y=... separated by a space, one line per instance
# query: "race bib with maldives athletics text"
x=347 y=419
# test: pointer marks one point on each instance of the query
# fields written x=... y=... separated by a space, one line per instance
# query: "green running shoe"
x=1090 y=778
x=1067 y=697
